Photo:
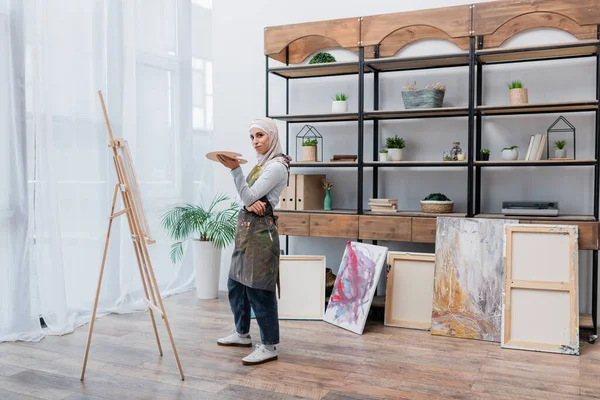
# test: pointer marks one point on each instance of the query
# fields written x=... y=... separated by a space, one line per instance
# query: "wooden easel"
x=140 y=235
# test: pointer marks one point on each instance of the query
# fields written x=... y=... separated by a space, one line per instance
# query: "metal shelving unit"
x=474 y=61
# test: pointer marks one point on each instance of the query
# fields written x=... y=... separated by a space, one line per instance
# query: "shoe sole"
x=258 y=362
x=235 y=344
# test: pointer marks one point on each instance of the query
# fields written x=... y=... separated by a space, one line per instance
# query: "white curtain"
x=18 y=320
x=139 y=54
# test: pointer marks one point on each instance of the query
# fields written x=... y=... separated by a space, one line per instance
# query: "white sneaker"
x=235 y=340
x=260 y=355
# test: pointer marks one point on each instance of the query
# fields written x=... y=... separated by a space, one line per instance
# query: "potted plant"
x=510 y=153
x=560 y=151
x=309 y=150
x=322 y=58
x=517 y=93
x=395 y=146
x=437 y=203
x=485 y=154
x=383 y=155
x=340 y=104
x=210 y=230
x=430 y=97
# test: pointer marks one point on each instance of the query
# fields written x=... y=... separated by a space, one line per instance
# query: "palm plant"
x=212 y=224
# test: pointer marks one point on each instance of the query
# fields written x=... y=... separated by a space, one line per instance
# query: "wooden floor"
x=317 y=361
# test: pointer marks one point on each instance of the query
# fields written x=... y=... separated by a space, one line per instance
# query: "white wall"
x=239 y=85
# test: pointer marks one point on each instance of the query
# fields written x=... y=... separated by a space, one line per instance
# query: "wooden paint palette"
x=213 y=156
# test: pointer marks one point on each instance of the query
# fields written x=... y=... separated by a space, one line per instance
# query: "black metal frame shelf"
x=324 y=164
x=475 y=112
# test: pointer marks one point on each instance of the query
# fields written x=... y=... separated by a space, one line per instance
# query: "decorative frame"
x=570 y=128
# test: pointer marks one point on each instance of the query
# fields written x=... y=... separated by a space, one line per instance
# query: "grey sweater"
x=271 y=182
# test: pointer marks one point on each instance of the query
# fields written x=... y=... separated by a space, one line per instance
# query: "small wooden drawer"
x=293 y=224
x=384 y=228
x=423 y=230
x=588 y=232
x=334 y=226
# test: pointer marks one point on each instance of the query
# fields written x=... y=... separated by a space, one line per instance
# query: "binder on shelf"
x=310 y=194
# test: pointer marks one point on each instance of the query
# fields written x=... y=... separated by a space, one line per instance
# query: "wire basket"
x=437 y=207
x=423 y=98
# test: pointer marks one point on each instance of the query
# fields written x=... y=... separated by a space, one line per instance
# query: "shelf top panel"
x=414 y=214
x=329 y=117
x=589 y=218
x=418 y=113
x=573 y=106
x=533 y=163
x=562 y=50
x=325 y=164
x=401 y=64
x=317 y=70
x=397 y=164
x=341 y=211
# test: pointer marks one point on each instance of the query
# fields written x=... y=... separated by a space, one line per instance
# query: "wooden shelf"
x=574 y=106
x=534 y=163
x=412 y=63
x=579 y=218
x=325 y=164
x=586 y=321
x=415 y=214
x=406 y=164
x=341 y=211
x=329 y=117
x=567 y=50
x=317 y=70
x=418 y=113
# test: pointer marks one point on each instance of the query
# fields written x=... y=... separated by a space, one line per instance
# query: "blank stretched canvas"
x=302 y=283
x=355 y=285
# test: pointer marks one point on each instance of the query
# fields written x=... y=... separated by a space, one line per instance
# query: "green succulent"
x=322 y=57
x=436 y=197
x=395 y=142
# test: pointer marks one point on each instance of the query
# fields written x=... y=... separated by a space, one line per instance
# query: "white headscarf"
x=275 y=152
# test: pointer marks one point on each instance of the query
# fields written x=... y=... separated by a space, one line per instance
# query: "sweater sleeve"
x=272 y=175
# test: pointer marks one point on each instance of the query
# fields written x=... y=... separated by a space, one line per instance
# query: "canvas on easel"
x=140 y=234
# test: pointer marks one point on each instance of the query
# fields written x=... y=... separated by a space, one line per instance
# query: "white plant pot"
x=383 y=157
x=339 y=107
x=510 y=154
x=560 y=153
x=207 y=266
x=395 y=154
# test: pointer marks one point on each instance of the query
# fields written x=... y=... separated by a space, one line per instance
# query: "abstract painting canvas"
x=467 y=297
x=355 y=285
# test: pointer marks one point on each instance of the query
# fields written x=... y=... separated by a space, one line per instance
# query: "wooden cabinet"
x=423 y=230
x=293 y=224
x=332 y=225
x=384 y=228
x=588 y=232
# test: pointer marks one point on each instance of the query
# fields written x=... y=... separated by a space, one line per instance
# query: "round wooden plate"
x=213 y=156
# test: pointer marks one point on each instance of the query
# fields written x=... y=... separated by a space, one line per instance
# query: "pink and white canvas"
x=355 y=286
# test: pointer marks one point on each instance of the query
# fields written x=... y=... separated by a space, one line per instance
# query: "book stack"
x=535 y=151
x=383 y=205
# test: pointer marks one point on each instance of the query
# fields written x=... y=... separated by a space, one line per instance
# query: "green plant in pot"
x=340 y=104
x=309 y=149
x=395 y=145
x=510 y=153
x=322 y=58
x=560 y=151
x=485 y=154
x=210 y=229
x=517 y=93
x=383 y=155
x=437 y=203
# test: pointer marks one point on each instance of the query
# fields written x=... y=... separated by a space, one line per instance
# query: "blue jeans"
x=264 y=304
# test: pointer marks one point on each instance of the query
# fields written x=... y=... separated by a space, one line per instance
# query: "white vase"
x=395 y=154
x=207 y=266
x=339 y=107
x=383 y=157
x=510 y=154
x=560 y=153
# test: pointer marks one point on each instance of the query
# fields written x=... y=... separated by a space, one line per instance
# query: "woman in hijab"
x=254 y=271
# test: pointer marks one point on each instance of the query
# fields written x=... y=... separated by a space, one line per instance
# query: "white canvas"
x=355 y=285
x=302 y=283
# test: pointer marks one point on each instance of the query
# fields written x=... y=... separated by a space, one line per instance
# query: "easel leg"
x=89 y=340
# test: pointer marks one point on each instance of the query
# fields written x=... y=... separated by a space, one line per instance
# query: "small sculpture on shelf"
x=560 y=151
x=456 y=152
x=485 y=154
x=327 y=202
x=340 y=104
x=395 y=145
x=517 y=93
x=309 y=138
x=430 y=97
x=510 y=153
